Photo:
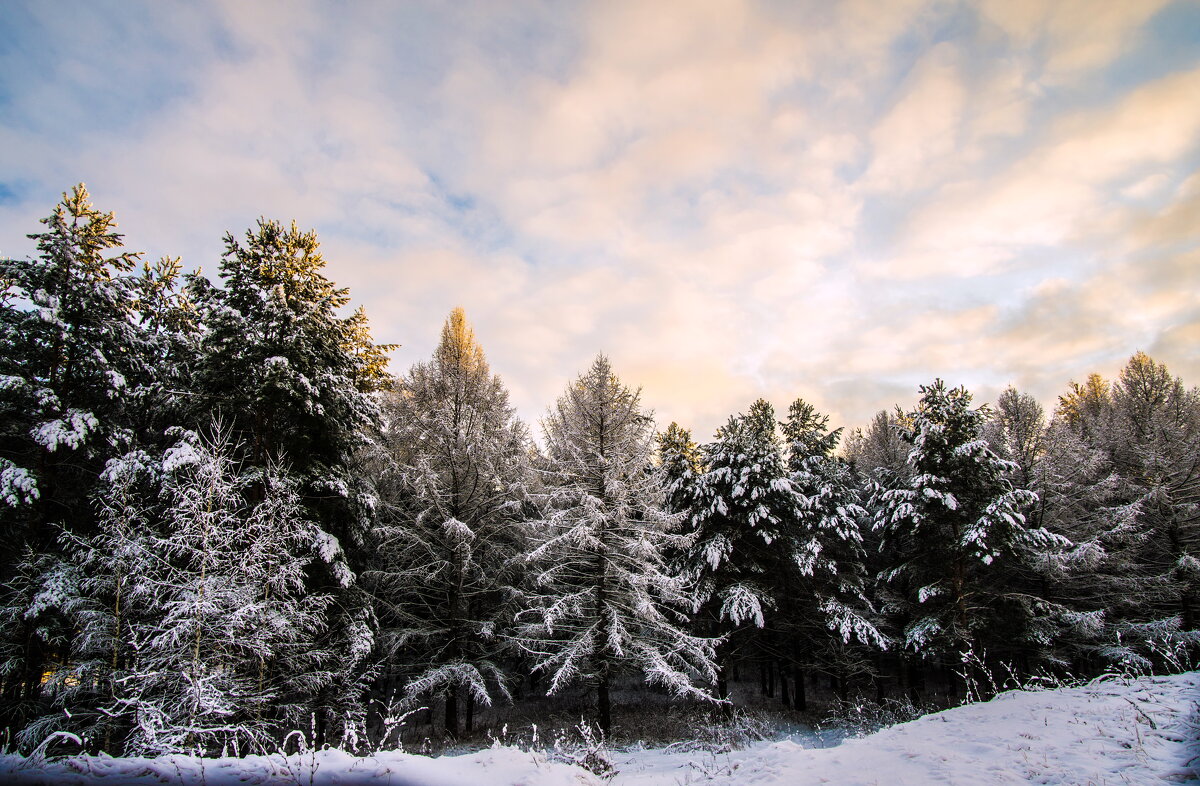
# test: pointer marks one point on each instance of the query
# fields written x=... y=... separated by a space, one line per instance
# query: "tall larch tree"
x=1146 y=424
x=601 y=600
x=451 y=532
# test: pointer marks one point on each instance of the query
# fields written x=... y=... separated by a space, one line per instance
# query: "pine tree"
x=170 y=327
x=826 y=588
x=292 y=375
x=744 y=506
x=680 y=460
x=69 y=355
x=955 y=528
x=450 y=539
x=743 y=525
x=602 y=602
x=295 y=379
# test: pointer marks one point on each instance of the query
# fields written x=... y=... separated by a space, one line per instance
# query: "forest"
x=225 y=522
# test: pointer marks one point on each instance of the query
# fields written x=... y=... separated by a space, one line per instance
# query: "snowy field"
x=1114 y=731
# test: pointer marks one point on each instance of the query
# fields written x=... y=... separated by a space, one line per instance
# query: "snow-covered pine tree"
x=878 y=457
x=170 y=328
x=825 y=589
x=743 y=521
x=291 y=374
x=744 y=511
x=450 y=532
x=955 y=527
x=295 y=379
x=69 y=353
x=680 y=462
x=602 y=602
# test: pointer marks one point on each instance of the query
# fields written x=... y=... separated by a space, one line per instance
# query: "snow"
x=17 y=485
x=494 y=766
x=1107 y=732
x=71 y=430
x=1111 y=731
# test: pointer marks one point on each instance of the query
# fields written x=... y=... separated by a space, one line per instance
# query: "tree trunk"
x=801 y=695
x=723 y=685
x=452 y=713
x=915 y=681
x=470 y=721
x=603 y=707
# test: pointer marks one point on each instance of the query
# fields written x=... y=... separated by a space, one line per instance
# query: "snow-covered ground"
x=1113 y=731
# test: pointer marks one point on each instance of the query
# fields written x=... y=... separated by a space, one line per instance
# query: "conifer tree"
x=826 y=588
x=295 y=380
x=742 y=517
x=195 y=630
x=680 y=460
x=1147 y=576
x=878 y=447
x=955 y=527
x=69 y=355
x=451 y=534
x=602 y=601
x=742 y=544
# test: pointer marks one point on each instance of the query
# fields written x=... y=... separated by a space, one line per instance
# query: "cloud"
x=1077 y=35
x=1055 y=193
x=921 y=130
x=731 y=198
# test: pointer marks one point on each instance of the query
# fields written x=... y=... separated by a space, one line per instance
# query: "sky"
x=732 y=199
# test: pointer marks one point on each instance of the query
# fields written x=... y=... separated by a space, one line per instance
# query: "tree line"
x=224 y=520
